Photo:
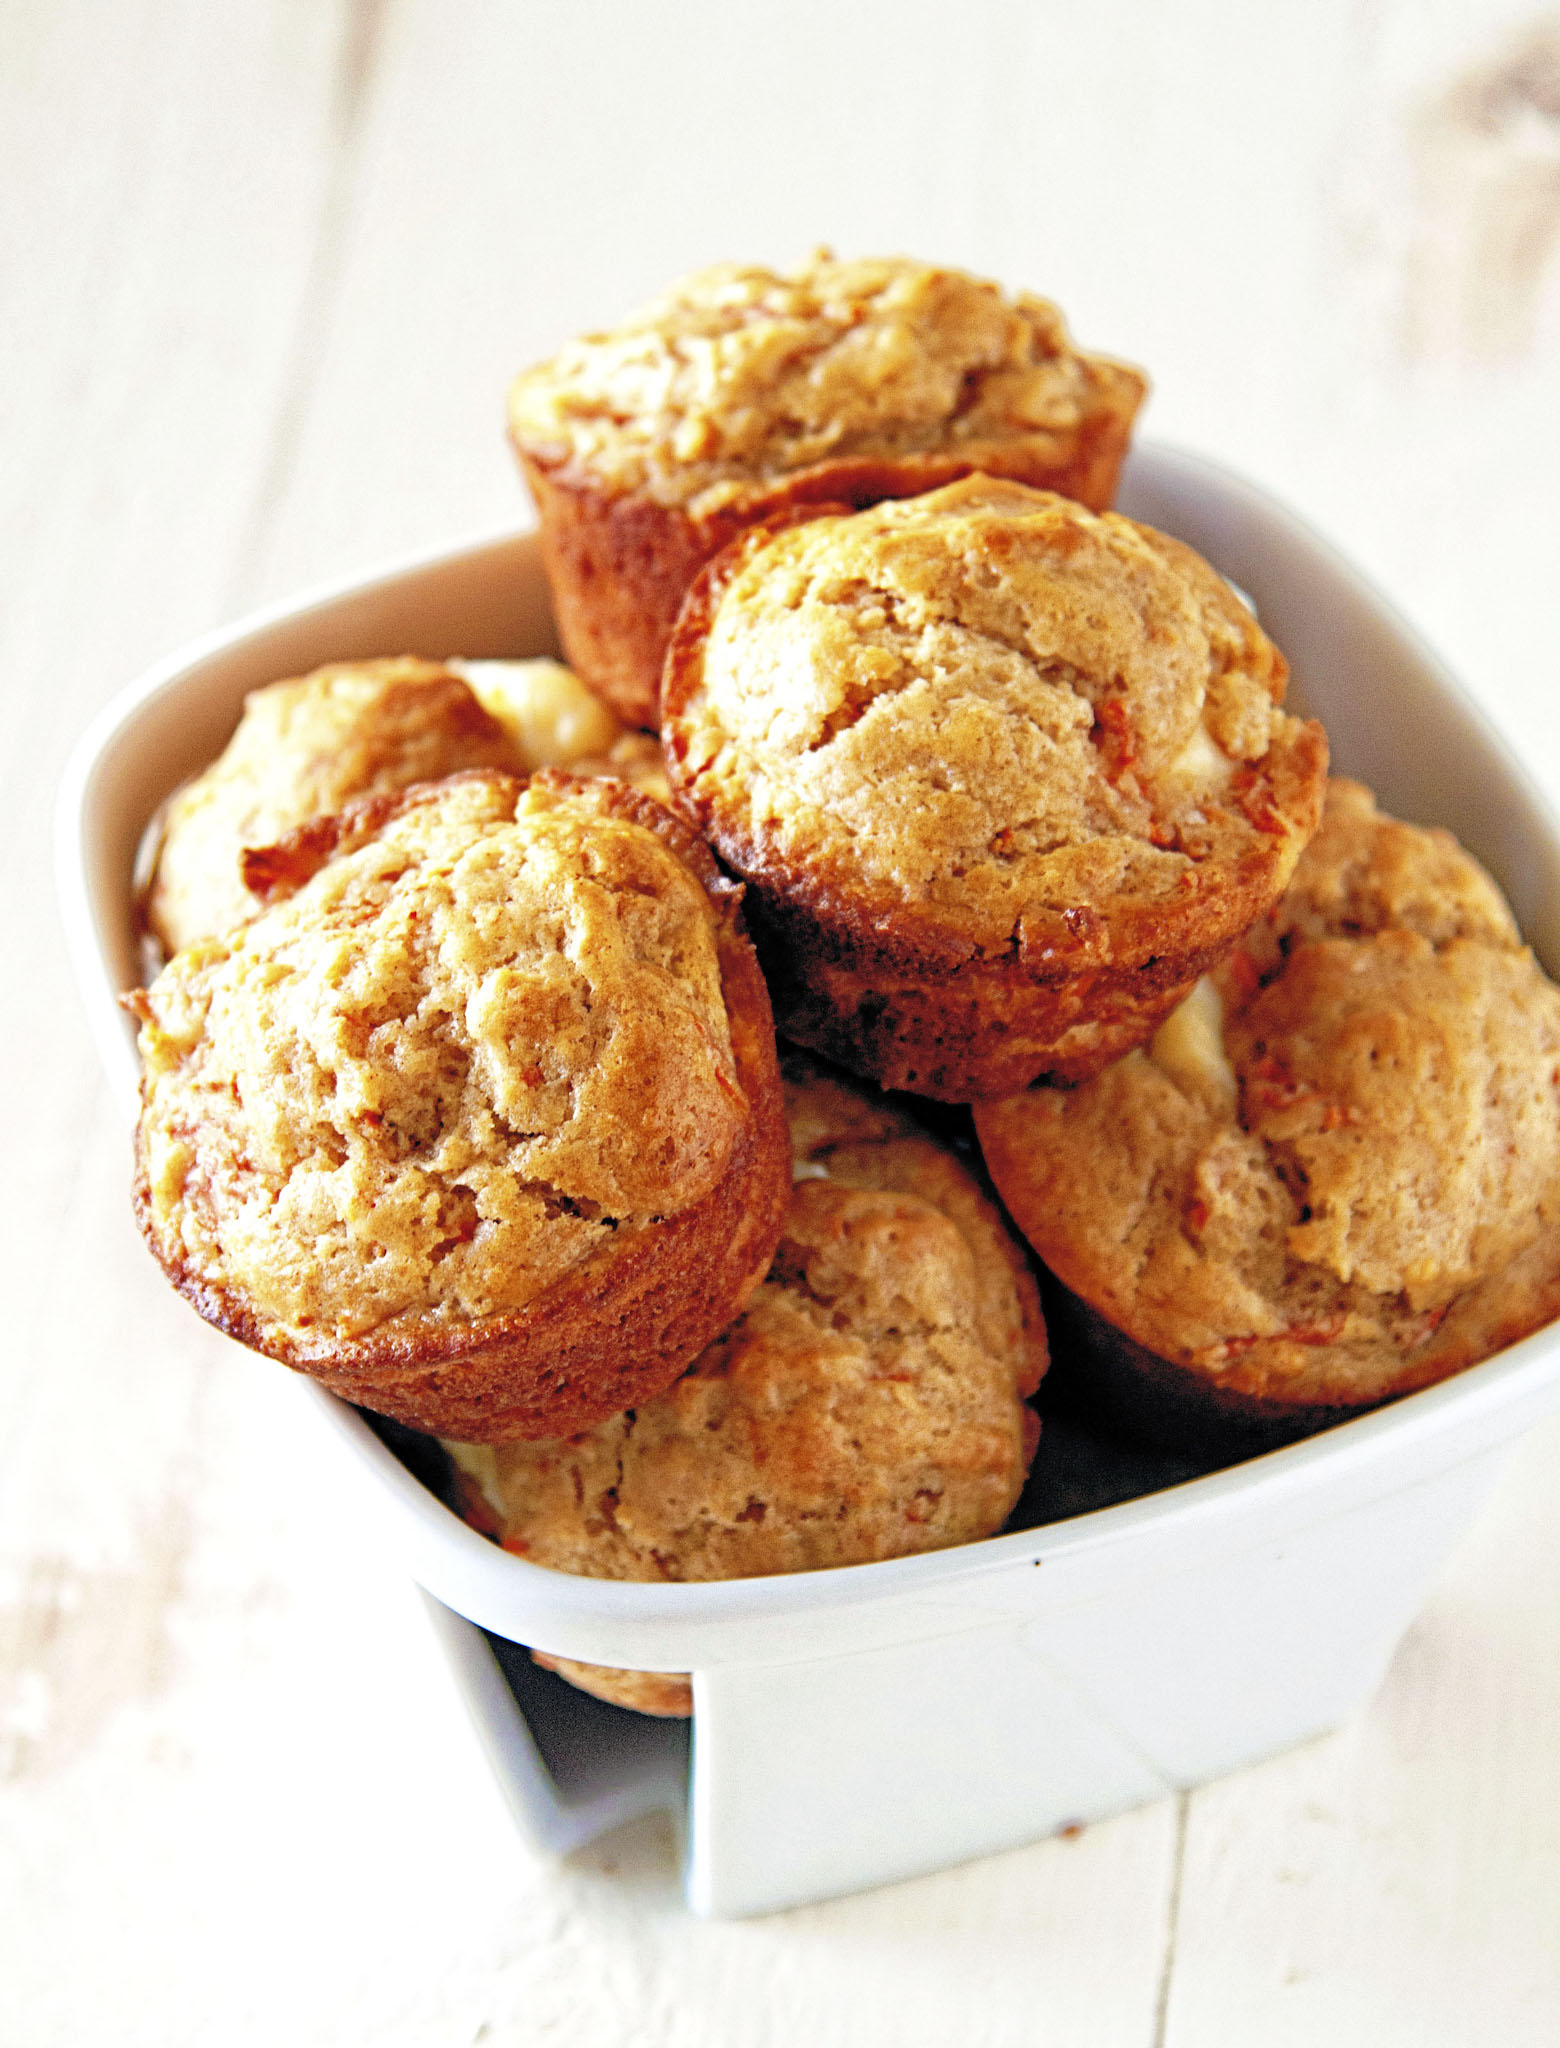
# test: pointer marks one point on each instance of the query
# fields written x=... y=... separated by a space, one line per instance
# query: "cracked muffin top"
x=738 y=375
x=481 y=1035
x=867 y=1404
x=302 y=747
x=990 y=713
x=1335 y=1172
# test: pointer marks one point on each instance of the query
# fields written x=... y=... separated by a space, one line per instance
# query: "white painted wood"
x=263 y=272
x=1397 y=1882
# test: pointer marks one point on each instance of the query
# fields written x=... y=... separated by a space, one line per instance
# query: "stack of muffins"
x=463 y=1090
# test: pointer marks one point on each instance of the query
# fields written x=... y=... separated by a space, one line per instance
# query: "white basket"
x=856 y=1726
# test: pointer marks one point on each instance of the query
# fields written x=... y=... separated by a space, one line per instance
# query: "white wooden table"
x=264 y=271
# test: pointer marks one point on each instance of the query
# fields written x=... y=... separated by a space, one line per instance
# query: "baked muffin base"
x=984 y=1029
x=911 y=1009
x=1119 y=1386
x=1130 y=1391
x=623 y=1324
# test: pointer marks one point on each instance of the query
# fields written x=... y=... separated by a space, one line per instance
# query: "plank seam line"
x=356 y=66
x=1172 y=1922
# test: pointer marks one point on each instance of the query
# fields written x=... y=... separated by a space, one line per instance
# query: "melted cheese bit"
x=546 y=709
x=1201 y=761
x=1189 y=1047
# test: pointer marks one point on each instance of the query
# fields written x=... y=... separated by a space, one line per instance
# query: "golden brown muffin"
x=1004 y=776
x=741 y=393
x=480 y=1123
x=869 y=1402
x=1334 y=1176
x=302 y=747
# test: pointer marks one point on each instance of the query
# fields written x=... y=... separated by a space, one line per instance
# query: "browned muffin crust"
x=303 y=746
x=852 y=1412
x=741 y=394
x=1335 y=1175
x=1004 y=775
x=480 y=1122
x=869 y=1403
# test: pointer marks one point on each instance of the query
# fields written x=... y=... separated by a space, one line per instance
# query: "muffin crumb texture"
x=303 y=747
x=738 y=373
x=450 y=1067
x=1384 y=1207
x=868 y=1403
x=988 y=703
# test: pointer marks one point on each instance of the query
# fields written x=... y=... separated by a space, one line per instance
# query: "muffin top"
x=867 y=1404
x=303 y=747
x=989 y=713
x=738 y=374
x=481 y=1035
x=1335 y=1172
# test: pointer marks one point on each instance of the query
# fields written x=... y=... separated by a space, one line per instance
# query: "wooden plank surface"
x=264 y=272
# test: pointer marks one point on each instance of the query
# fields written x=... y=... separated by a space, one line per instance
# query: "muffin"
x=1004 y=777
x=1334 y=1175
x=742 y=393
x=305 y=746
x=479 y=1123
x=867 y=1404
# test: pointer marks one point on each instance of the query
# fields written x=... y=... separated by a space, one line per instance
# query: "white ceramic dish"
x=856 y=1726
